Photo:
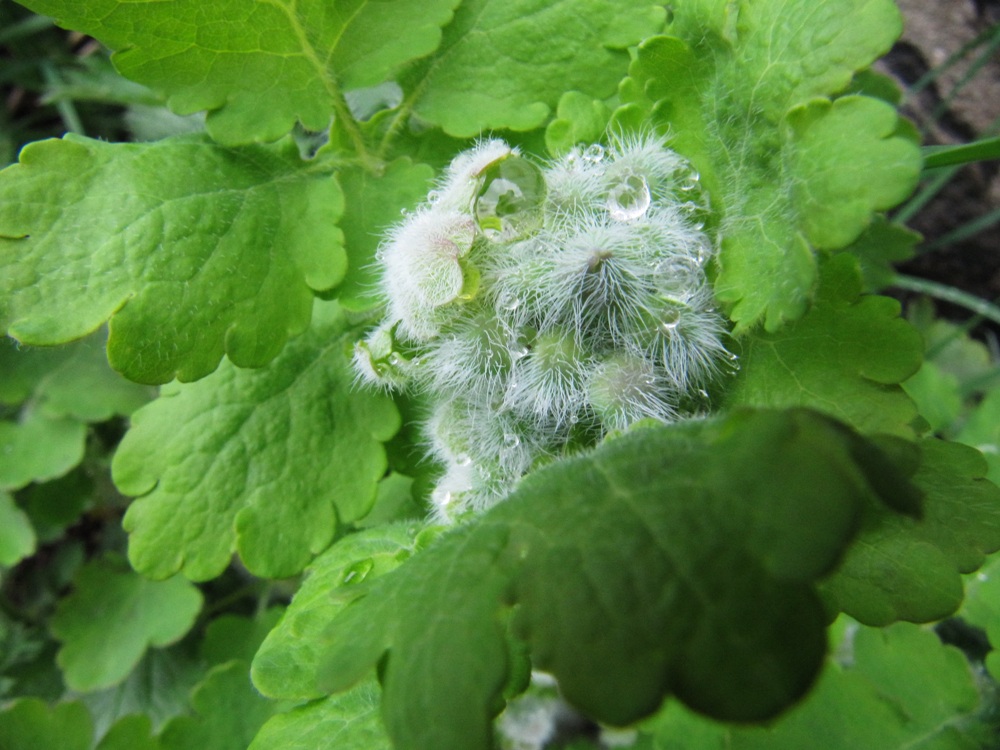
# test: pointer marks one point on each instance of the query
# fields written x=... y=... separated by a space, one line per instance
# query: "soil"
x=933 y=33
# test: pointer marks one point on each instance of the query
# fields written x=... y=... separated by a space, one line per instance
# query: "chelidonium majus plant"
x=537 y=308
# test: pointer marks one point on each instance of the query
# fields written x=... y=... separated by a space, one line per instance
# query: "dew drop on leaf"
x=357 y=572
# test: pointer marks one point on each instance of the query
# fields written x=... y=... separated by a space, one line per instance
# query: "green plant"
x=706 y=472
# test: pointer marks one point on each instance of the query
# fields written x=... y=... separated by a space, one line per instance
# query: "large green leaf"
x=504 y=64
x=257 y=461
x=845 y=357
x=736 y=87
x=191 y=249
x=112 y=617
x=257 y=67
x=901 y=689
x=675 y=559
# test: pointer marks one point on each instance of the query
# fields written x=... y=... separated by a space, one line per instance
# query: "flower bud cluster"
x=538 y=308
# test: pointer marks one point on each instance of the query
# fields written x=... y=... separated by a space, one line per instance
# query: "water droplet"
x=573 y=419
x=463 y=459
x=518 y=351
x=441 y=498
x=678 y=277
x=395 y=360
x=594 y=153
x=703 y=393
x=693 y=181
x=433 y=196
x=669 y=321
x=357 y=572
x=511 y=440
x=510 y=196
x=403 y=212
x=629 y=199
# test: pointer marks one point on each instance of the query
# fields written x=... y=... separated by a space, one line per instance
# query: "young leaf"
x=285 y=665
x=907 y=569
x=192 y=250
x=349 y=721
x=845 y=357
x=671 y=559
x=17 y=537
x=112 y=617
x=257 y=67
x=506 y=64
x=29 y=724
x=903 y=689
x=258 y=461
x=736 y=87
x=228 y=713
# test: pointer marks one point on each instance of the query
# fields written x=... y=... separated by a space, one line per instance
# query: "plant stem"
x=981 y=307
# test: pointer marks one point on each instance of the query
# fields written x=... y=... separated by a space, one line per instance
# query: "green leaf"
x=349 y=721
x=17 y=537
x=936 y=394
x=231 y=637
x=901 y=689
x=285 y=665
x=845 y=357
x=52 y=506
x=880 y=246
x=981 y=608
x=982 y=432
x=68 y=381
x=373 y=205
x=579 y=119
x=130 y=733
x=257 y=67
x=112 y=617
x=29 y=724
x=908 y=569
x=506 y=64
x=671 y=559
x=38 y=448
x=228 y=713
x=157 y=688
x=737 y=90
x=262 y=462
x=191 y=249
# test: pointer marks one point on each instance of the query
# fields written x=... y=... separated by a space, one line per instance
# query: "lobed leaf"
x=262 y=462
x=846 y=357
x=257 y=67
x=17 y=537
x=37 y=448
x=506 y=64
x=191 y=250
x=68 y=381
x=285 y=664
x=673 y=559
x=112 y=617
x=909 y=569
x=29 y=724
x=349 y=721
x=227 y=713
x=902 y=689
x=736 y=86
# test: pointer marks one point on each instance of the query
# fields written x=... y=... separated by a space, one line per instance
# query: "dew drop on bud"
x=629 y=199
x=692 y=182
x=594 y=153
x=703 y=393
x=510 y=440
x=669 y=321
x=463 y=459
